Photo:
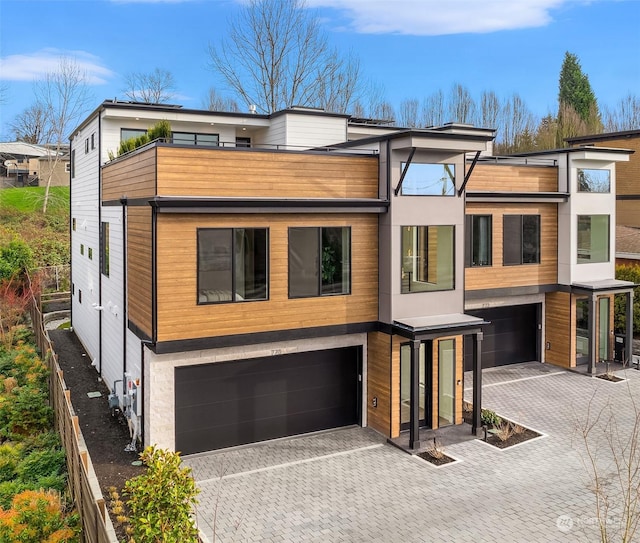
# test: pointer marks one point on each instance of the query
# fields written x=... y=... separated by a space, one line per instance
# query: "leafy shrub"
x=490 y=418
x=39 y=464
x=24 y=412
x=627 y=273
x=8 y=489
x=160 y=500
x=37 y=516
x=160 y=130
x=10 y=455
x=15 y=258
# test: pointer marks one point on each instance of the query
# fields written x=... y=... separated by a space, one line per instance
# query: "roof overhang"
x=603 y=286
x=438 y=325
x=518 y=197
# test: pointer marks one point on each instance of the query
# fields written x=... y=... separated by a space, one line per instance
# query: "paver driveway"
x=350 y=485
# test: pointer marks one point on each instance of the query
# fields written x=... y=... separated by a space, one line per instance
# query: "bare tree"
x=409 y=113
x=611 y=456
x=433 y=109
x=276 y=56
x=489 y=109
x=516 y=120
x=156 y=87
x=624 y=116
x=64 y=97
x=216 y=102
x=462 y=108
x=4 y=91
x=31 y=125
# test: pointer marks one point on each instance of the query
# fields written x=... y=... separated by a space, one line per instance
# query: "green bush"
x=10 y=456
x=160 y=130
x=161 y=499
x=490 y=418
x=23 y=412
x=8 y=489
x=15 y=258
x=627 y=273
x=39 y=464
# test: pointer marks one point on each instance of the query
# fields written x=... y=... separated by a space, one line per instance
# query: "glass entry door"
x=603 y=329
x=446 y=382
x=582 y=330
x=424 y=388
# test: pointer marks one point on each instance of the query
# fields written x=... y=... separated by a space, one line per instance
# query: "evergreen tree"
x=575 y=91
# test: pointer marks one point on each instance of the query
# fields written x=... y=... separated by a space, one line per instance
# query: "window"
x=67 y=167
x=428 y=262
x=479 y=237
x=104 y=257
x=73 y=163
x=521 y=239
x=189 y=138
x=243 y=142
x=79 y=296
x=93 y=141
x=594 y=180
x=73 y=224
x=319 y=261
x=86 y=146
x=593 y=238
x=90 y=253
x=128 y=133
x=232 y=264
x=81 y=249
x=428 y=179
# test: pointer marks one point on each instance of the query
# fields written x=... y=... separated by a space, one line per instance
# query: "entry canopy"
x=603 y=285
x=436 y=325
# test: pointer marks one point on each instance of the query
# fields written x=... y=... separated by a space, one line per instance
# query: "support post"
x=477 y=383
x=629 y=332
x=593 y=354
x=414 y=428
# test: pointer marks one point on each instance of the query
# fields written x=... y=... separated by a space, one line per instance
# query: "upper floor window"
x=593 y=238
x=428 y=179
x=86 y=146
x=478 y=241
x=521 y=239
x=67 y=167
x=190 y=138
x=93 y=141
x=428 y=262
x=232 y=264
x=73 y=224
x=590 y=180
x=128 y=133
x=319 y=261
x=73 y=163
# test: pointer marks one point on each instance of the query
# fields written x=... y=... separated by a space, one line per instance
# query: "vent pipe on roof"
x=253 y=109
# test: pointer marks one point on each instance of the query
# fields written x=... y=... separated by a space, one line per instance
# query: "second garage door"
x=244 y=401
x=511 y=338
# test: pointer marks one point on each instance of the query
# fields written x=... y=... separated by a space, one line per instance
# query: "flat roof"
x=439 y=322
x=604 y=284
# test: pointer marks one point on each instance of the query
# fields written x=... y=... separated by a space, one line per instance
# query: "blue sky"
x=408 y=48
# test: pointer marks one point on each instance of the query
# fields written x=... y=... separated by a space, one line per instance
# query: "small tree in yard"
x=612 y=460
x=161 y=500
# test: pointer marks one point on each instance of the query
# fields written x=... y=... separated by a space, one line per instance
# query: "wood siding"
x=245 y=173
x=180 y=317
x=133 y=177
x=395 y=384
x=510 y=178
x=499 y=276
x=139 y=267
x=379 y=382
x=560 y=330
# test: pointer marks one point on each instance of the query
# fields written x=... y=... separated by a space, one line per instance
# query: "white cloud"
x=440 y=17
x=32 y=66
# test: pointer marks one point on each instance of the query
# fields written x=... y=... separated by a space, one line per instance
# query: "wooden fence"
x=83 y=484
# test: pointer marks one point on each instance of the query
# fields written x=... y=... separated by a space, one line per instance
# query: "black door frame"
x=427 y=422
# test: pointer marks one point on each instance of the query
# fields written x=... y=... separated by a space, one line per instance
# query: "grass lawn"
x=30 y=199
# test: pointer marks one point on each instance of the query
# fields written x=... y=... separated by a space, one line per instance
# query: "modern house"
x=627 y=191
x=258 y=276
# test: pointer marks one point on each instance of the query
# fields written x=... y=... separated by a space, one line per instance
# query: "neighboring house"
x=627 y=191
x=25 y=164
x=259 y=276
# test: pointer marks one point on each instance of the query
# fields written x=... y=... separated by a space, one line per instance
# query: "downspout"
x=123 y=201
x=72 y=169
x=143 y=343
x=100 y=242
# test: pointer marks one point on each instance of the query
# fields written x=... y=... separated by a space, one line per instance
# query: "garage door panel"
x=510 y=338
x=219 y=405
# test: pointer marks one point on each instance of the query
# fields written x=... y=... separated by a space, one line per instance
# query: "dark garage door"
x=509 y=339
x=233 y=403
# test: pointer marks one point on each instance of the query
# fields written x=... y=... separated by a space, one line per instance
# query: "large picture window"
x=191 y=138
x=232 y=264
x=428 y=262
x=319 y=261
x=521 y=240
x=593 y=239
x=428 y=179
x=478 y=241
x=590 y=180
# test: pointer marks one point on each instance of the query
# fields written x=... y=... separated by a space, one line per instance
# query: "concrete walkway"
x=349 y=485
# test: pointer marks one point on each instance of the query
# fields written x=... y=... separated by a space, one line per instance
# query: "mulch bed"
x=438 y=461
x=104 y=436
x=610 y=377
x=514 y=439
